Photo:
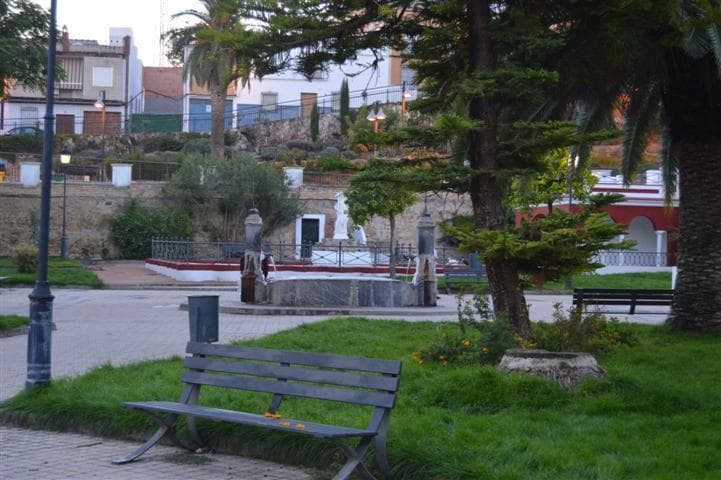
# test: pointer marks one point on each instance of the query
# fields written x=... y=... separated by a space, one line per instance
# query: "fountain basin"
x=340 y=290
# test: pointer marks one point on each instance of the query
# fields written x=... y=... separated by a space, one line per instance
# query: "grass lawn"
x=60 y=273
x=657 y=415
x=612 y=280
x=8 y=322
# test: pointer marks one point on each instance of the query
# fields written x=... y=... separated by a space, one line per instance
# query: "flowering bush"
x=480 y=336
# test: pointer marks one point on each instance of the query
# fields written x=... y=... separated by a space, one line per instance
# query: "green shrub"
x=329 y=152
x=197 y=145
x=25 y=258
x=21 y=143
x=575 y=332
x=301 y=145
x=478 y=337
x=134 y=226
x=327 y=164
x=269 y=153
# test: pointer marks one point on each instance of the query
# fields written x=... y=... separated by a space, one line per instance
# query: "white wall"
x=289 y=85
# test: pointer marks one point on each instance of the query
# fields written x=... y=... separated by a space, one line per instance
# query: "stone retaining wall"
x=90 y=205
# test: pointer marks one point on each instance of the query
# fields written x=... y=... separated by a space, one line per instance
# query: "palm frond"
x=589 y=118
x=714 y=34
x=643 y=106
x=668 y=158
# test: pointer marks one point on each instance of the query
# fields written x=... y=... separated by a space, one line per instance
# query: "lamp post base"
x=39 y=337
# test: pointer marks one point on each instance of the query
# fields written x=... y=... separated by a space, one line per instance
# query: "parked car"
x=24 y=131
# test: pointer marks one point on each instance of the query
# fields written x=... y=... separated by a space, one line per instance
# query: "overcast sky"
x=91 y=19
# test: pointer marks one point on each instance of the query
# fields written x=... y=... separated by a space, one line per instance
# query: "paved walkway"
x=40 y=455
x=120 y=326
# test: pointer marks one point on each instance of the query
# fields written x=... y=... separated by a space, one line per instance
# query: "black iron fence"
x=340 y=254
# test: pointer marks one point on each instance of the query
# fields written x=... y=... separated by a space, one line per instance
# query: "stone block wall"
x=90 y=206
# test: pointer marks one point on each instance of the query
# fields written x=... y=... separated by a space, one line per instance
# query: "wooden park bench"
x=362 y=381
x=619 y=296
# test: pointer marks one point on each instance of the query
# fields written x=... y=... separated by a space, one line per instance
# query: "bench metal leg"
x=382 y=457
x=165 y=430
x=355 y=460
x=143 y=448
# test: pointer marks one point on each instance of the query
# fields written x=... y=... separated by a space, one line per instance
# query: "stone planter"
x=30 y=174
x=294 y=175
x=566 y=368
x=122 y=174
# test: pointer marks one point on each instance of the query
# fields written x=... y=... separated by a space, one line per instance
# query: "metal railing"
x=340 y=255
x=329 y=179
x=631 y=258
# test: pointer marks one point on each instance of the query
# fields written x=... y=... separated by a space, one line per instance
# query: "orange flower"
x=300 y=425
x=272 y=415
x=466 y=342
x=284 y=424
x=485 y=349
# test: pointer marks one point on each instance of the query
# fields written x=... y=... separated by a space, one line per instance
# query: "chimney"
x=66 y=39
x=126 y=46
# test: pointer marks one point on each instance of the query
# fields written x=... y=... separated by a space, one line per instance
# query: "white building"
x=111 y=73
x=290 y=95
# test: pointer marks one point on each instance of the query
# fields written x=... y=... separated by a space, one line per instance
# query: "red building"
x=650 y=222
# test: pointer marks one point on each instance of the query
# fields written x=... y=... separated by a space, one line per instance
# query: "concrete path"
x=40 y=455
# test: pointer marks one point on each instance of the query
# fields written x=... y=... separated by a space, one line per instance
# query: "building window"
x=73 y=68
x=102 y=76
x=335 y=101
x=269 y=101
x=29 y=116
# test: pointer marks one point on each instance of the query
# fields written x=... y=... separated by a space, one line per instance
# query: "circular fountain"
x=333 y=290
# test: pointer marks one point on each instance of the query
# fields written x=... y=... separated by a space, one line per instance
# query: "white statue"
x=340 y=230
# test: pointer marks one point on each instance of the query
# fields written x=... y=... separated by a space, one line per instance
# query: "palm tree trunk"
x=697 y=298
x=693 y=106
x=486 y=195
x=217 y=117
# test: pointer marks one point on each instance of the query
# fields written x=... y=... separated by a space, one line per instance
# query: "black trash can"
x=203 y=313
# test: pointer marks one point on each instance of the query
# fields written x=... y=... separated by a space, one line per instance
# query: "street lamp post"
x=41 y=299
x=100 y=105
x=64 y=160
x=376 y=115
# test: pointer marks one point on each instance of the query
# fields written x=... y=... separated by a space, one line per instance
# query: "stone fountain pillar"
x=425 y=277
x=251 y=276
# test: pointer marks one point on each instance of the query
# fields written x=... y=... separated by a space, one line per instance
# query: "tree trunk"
x=486 y=195
x=392 y=253
x=697 y=299
x=693 y=106
x=217 y=117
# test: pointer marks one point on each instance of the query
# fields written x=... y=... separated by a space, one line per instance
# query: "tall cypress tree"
x=344 y=107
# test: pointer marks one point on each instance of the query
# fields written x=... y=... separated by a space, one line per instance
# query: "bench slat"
x=390 y=367
x=360 y=397
x=309 y=428
x=389 y=384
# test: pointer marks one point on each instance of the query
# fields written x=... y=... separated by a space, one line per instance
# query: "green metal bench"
x=361 y=381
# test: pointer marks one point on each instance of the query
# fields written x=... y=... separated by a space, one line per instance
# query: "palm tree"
x=211 y=61
x=661 y=61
